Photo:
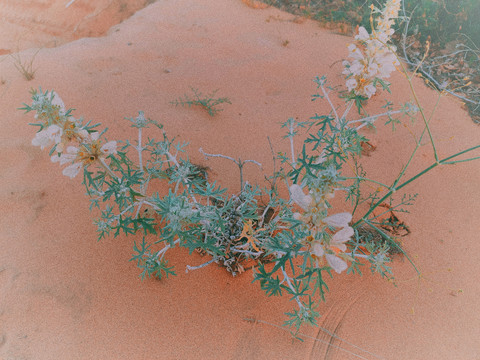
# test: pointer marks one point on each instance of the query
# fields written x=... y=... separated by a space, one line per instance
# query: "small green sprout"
x=208 y=102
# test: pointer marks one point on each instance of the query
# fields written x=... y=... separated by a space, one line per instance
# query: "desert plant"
x=293 y=245
x=208 y=102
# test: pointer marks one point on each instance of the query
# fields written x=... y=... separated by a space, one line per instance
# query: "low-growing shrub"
x=292 y=245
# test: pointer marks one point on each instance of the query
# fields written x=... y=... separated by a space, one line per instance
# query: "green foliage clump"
x=208 y=102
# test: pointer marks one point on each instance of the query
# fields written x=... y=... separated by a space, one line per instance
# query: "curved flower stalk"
x=372 y=58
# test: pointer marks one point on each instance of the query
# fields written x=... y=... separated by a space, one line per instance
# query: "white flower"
x=297 y=216
x=336 y=263
x=383 y=37
x=66 y=157
x=356 y=68
x=362 y=34
x=60 y=147
x=370 y=90
x=355 y=52
x=57 y=100
x=372 y=69
x=351 y=84
x=109 y=148
x=69 y=156
x=341 y=237
x=83 y=133
x=46 y=136
x=336 y=243
x=94 y=136
x=317 y=249
x=340 y=220
x=372 y=56
x=72 y=170
x=298 y=197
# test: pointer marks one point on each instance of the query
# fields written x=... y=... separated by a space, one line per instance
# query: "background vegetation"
x=450 y=26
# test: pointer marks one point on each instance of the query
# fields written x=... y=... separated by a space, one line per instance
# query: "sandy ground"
x=50 y=23
x=65 y=296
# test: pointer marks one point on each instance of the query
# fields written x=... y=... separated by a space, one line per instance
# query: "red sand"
x=65 y=296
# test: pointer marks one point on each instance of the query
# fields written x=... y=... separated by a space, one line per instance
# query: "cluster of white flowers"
x=322 y=243
x=89 y=151
x=61 y=130
x=372 y=58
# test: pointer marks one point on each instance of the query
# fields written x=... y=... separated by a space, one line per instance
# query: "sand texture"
x=63 y=295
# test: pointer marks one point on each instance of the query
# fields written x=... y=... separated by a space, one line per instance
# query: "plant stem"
x=364 y=218
x=248 y=252
x=459 y=161
x=357 y=255
x=199 y=266
x=287 y=279
x=371 y=119
x=238 y=162
x=292 y=149
x=417 y=102
x=187 y=185
x=109 y=171
x=140 y=149
x=415 y=177
x=166 y=247
x=325 y=94
x=460 y=153
x=347 y=110
x=365 y=179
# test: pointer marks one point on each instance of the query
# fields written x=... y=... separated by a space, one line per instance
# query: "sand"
x=63 y=295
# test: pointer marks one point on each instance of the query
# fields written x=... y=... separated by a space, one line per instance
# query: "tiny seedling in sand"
x=208 y=102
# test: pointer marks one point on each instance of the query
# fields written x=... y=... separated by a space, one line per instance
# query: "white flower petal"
x=351 y=84
x=94 y=136
x=83 y=133
x=317 y=249
x=370 y=90
x=340 y=220
x=336 y=263
x=60 y=147
x=362 y=34
x=109 y=148
x=45 y=137
x=41 y=139
x=67 y=158
x=342 y=236
x=356 y=68
x=57 y=100
x=72 y=150
x=299 y=197
x=72 y=170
